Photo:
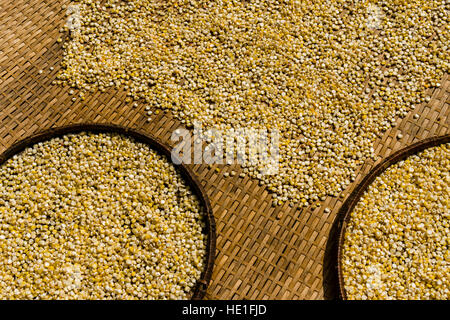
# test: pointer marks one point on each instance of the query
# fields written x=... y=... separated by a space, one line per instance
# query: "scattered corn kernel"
x=330 y=76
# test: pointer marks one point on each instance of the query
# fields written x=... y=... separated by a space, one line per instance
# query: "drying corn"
x=329 y=76
x=97 y=216
x=397 y=241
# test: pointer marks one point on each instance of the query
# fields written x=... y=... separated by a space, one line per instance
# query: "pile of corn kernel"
x=397 y=242
x=329 y=76
x=97 y=216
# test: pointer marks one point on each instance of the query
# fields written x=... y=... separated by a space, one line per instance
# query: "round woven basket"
x=345 y=211
x=199 y=289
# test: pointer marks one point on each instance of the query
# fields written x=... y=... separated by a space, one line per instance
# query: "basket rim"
x=347 y=207
x=201 y=286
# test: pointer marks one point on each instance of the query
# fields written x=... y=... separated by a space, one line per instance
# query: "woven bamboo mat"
x=262 y=252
